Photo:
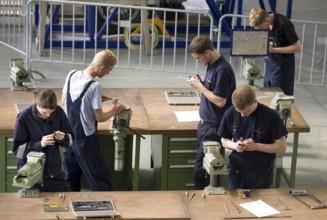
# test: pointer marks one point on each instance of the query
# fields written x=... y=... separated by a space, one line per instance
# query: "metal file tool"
x=284 y=206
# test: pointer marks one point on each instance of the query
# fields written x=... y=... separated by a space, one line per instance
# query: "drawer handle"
x=11 y=167
x=9 y=152
x=180 y=166
x=183 y=139
x=182 y=151
x=189 y=184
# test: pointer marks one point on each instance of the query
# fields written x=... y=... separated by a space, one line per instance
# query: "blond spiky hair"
x=257 y=17
x=105 y=58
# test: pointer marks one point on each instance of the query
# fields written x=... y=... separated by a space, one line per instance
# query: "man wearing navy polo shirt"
x=216 y=89
x=255 y=133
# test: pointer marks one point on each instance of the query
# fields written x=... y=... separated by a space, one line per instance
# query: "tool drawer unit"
x=173 y=158
x=8 y=164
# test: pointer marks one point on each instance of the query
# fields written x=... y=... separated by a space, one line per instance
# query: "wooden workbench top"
x=213 y=206
x=296 y=123
x=151 y=112
x=129 y=204
x=9 y=98
x=168 y=204
x=162 y=116
x=163 y=120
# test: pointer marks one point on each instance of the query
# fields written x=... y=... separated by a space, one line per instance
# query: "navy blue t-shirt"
x=285 y=30
x=30 y=129
x=264 y=125
x=220 y=79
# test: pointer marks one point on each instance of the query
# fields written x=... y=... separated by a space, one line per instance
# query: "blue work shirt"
x=30 y=129
x=220 y=79
x=264 y=125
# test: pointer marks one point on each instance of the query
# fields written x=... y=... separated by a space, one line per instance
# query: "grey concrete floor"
x=310 y=100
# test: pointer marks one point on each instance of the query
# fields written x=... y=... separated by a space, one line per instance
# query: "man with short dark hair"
x=216 y=90
x=44 y=127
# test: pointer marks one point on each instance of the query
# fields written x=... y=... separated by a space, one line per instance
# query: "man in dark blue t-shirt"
x=216 y=90
x=283 y=43
x=254 y=133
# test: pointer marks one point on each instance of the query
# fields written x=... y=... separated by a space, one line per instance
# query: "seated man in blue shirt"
x=254 y=133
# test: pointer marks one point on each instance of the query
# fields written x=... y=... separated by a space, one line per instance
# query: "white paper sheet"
x=187 y=116
x=259 y=208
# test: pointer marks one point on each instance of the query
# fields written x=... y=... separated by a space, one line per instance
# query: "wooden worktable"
x=162 y=116
x=151 y=112
x=9 y=98
x=294 y=124
x=213 y=207
x=153 y=115
x=129 y=204
x=165 y=204
x=163 y=120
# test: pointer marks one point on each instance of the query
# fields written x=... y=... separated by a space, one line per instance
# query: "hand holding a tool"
x=105 y=98
x=58 y=135
x=116 y=107
x=195 y=81
x=48 y=140
x=240 y=145
x=246 y=145
x=51 y=139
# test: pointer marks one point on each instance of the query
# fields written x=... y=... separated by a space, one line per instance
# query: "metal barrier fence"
x=12 y=24
x=72 y=32
x=90 y=26
x=311 y=62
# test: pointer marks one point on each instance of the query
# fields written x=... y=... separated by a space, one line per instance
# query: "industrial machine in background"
x=249 y=44
x=215 y=165
x=251 y=71
x=29 y=175
x=119 y=127
x=282 y=104
x=18 y=74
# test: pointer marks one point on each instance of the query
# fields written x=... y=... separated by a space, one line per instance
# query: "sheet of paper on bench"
x=187 y=116
x=259 y=208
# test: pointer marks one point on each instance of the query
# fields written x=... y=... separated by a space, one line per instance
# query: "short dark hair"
x=45 y=98
x=200 y=44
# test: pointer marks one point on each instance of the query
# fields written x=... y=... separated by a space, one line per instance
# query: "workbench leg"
x=294 y=159
x=278 y=169
x=136 y=173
